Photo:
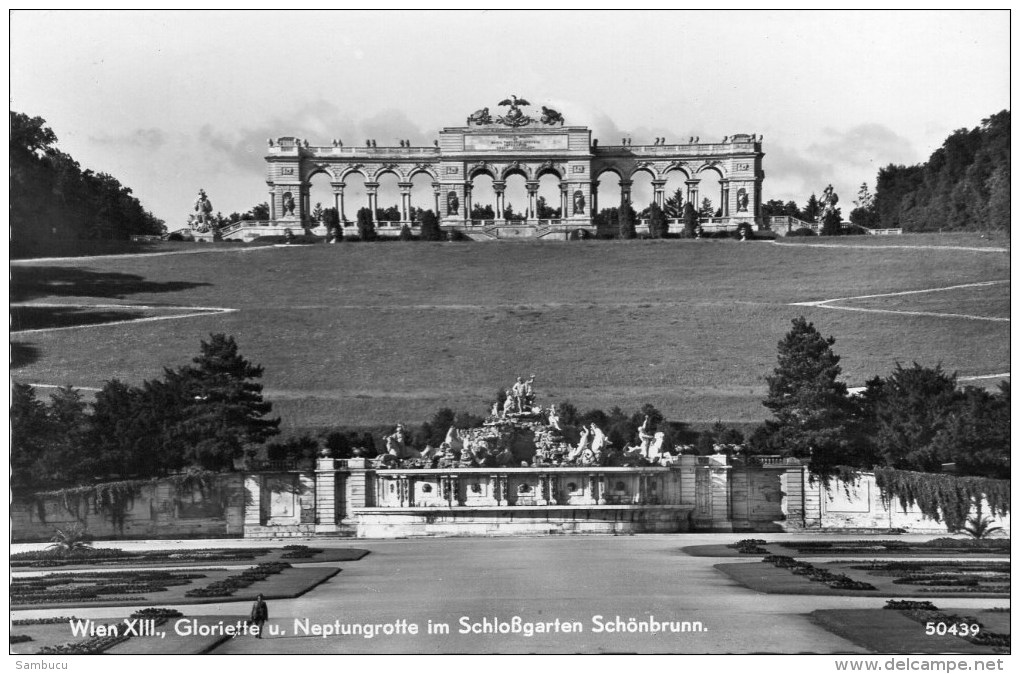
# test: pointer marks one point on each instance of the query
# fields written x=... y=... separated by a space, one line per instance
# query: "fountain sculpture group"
x=519 y=432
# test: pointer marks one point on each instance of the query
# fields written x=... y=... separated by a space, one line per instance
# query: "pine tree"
x=225 y=415
x=810 y=405
x=674 y=206
x=811 y=209
x=29 y=429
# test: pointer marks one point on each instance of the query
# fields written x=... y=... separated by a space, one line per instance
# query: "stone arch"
x=480 y=169
x=417 y=170
x=348 y=171
x=677 y=167
x=516 y=169
x=548 y=169
x=318 y=169
x=715 y=168
x=644 y=167
x=394 y=169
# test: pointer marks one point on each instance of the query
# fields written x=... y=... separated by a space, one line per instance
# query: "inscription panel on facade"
x=513 y=142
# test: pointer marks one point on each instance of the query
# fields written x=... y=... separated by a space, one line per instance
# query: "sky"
x=173 y=101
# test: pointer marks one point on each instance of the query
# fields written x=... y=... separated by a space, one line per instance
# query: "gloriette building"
x=517 y=143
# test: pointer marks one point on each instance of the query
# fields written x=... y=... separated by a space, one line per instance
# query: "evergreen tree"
x=29 y=429
x=225 y=415
x=430 y=230
x=832 y=223
x=706 y=210
x=405 y=233
x=366 y=228
x=657 y=226
x=627 y=215
x=810 y=405
x=690 y=219
x=331 y=220
x=674 y=205
x=812 y=209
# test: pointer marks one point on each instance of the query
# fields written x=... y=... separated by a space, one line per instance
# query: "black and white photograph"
x=478 y=332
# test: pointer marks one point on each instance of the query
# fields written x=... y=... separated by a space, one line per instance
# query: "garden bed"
x=289 y=583
x=904 y=631
x=885 y=578
x=54 y=636
x=939 y=547
x=92 y=558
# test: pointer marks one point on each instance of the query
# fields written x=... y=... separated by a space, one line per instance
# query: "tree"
x=366 y=228
x=809 y=403
x=331 y=220
x=485 y=212
x=430 y=230
x=832 y=223
x=706 y=210
x=690 y=219
x=627 y=215
x=544 y=212
x=657 y=226
x=812 y=209
x=405 y=233
x=674 y=205
x=317 y=213
x=226 y=412
x=29 y=430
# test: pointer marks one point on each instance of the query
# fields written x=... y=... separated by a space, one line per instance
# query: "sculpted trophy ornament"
x=551 y=117
x=514 y=117
x=479 y=117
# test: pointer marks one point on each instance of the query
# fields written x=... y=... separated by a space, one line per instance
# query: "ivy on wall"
x=943 y=497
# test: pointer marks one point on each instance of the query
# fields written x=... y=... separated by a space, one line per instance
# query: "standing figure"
x=259 y=615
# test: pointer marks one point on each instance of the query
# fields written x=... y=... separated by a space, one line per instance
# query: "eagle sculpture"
x=513 y=101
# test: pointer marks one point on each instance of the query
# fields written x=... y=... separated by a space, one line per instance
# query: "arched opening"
x=580 y=235
x=605 y=211
x=641 y=192
x=709 y=197
x=483 y=197
x=548 y=204
x=387 y=203
x=320 y=197
x=423 y=195
x=515 y=197
x=355 y=198
x=675 y=194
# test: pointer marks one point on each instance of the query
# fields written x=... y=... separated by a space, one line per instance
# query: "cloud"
x=865 y=145
x=319 y=122
x=149 y=139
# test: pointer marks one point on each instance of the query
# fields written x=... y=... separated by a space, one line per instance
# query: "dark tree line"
x=963 y=185
x=916 y=418
x=53 y=198
x=203 y=415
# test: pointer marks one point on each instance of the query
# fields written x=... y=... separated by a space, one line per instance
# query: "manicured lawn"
x=885 y=631
x=368 y=334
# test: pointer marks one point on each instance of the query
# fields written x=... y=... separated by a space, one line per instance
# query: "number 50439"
x=956 y=629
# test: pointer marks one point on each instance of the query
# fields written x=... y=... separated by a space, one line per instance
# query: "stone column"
x=532 y=199
x=467 y=201
x=659 y=187
x=372 y=189
x=499 y=187
x=564 y=201
x=692 y=193
x=338 y=201
x=543 y=489
x=326 y=515
x=405 y=200
x=272 y=204
x=625 y=186
x=357 y=486
x=594 y=198
x=724 y=197
x=438 y=193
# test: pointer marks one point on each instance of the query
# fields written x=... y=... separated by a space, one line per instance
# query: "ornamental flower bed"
x=50 y=558
x=84 y=587
x=230 y=585
x=954 y=576
x=750 y=546
x=300 y=552
x=836 y=581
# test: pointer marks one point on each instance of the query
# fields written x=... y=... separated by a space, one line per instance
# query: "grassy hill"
x=364 y=334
